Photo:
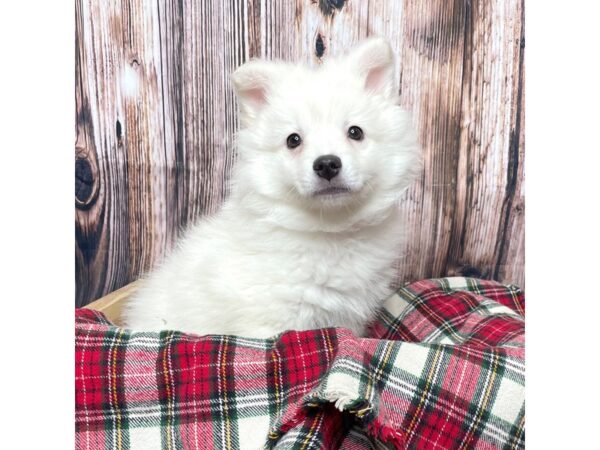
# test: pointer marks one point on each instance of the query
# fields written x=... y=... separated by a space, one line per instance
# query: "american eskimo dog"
x=310 y=231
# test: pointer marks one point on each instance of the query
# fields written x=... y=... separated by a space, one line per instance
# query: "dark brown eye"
x=293 y=140
x=355 y=133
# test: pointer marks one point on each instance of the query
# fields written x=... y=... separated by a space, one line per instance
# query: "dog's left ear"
x=252 y=82
x=373 y=60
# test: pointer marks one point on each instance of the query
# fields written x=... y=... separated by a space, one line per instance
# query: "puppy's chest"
x=341 y=265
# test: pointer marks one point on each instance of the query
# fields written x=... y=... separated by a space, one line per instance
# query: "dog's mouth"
x=333 y=191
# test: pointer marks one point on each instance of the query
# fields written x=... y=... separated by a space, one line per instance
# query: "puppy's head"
x=326 y=148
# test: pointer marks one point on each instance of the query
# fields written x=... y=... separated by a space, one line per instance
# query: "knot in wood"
x=328 y=7
x=85 y=184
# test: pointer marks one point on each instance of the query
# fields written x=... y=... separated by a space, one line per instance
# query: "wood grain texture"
x=156 y=119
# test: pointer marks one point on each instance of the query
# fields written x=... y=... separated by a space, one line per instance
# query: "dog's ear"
x=251 y=82
x=373 y=61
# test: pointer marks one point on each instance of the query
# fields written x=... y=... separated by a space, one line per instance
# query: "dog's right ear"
x=251 y=82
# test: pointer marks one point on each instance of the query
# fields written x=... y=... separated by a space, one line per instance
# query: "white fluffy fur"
x=278 y=257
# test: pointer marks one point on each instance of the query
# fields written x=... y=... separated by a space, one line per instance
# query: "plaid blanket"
x=443 y=369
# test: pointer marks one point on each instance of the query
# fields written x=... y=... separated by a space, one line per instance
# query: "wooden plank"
x=112 y=304
x=156 y=119
x=488 y=225
x=433 y=46
x=100 y=172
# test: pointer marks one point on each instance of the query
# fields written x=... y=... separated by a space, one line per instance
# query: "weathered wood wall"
x=156 y=115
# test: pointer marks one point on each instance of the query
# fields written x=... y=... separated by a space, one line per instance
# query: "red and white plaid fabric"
x=443 y=369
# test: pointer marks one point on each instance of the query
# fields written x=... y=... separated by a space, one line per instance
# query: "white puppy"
x=309 y=234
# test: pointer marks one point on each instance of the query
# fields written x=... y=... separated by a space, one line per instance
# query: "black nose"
x=327 y=166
